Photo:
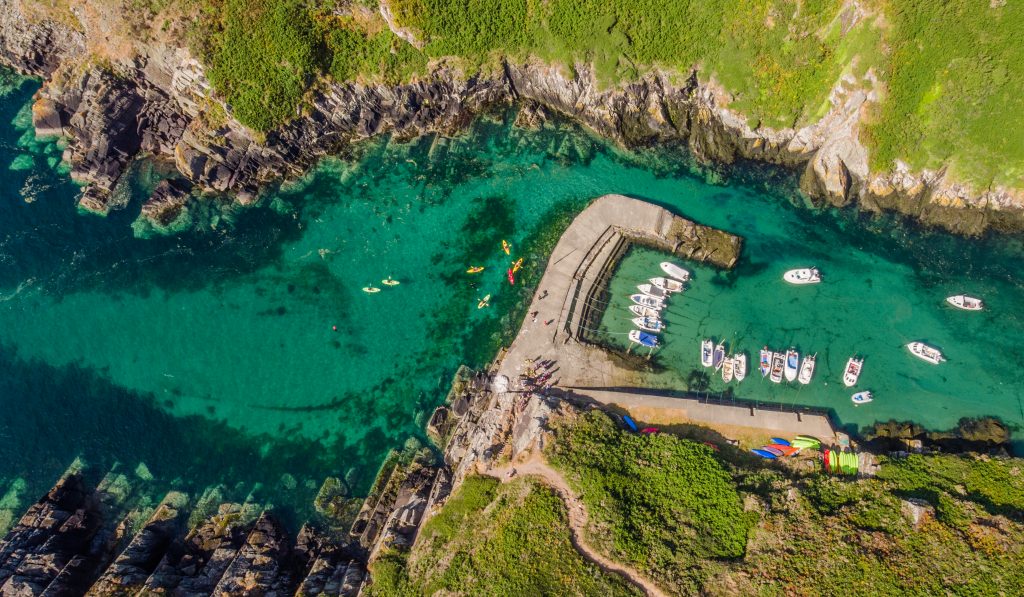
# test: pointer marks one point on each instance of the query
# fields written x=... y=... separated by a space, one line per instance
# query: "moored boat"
x=766 y=362
x=643 y=338
x=792 y=364
x=719 y=356
x=740 y=366
x=641 y=311
x=861 y=397
x=649 y=324
x=728 y=366
x=675 y=271
x=807 y=275
x=778 y=366
x=647 y=301
x=926 y=353
x=652 y=290
x=667 y=284
x=807 y=369
x=707 y=350
x=967 y=303
x=852 y=371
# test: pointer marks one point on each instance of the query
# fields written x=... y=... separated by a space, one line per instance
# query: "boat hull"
x=792 y=363
x=674 y=271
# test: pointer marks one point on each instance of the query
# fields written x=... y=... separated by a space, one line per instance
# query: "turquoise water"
x=211 y=355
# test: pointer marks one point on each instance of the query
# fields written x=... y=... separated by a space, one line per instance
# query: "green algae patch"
x=495 y=539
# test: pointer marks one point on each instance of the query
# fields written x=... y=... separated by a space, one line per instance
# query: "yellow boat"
x=371 y=289
x=390 y=282
x=476 y=269
x=484 y=302
x=518 y=264
x=506 y=247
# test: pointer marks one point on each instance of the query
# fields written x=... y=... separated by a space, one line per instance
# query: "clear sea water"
x=211 y=356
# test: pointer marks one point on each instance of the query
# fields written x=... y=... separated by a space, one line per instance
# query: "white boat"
x=706 y=352
x=861 y=398
x=719 y=356
x=641 y=311
x=643 y=338
x=740 y=360
x=778 y=364
x=807 y=369
x=792 y=364
x=668 y=284
x=647 y=301
x=675 y=271
x=807 y=275
x=967 y=303
x=649 y=324
x=852 y=371
x=728 y=365
x=652 y=290
x=926 y=353
x=766 y=362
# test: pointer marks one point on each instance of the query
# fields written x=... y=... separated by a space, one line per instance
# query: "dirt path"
x=535 y=466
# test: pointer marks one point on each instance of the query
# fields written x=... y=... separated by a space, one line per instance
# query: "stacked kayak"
x=806 y=442
x=840 y=463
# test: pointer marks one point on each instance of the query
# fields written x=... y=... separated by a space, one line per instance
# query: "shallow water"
x=211 y=355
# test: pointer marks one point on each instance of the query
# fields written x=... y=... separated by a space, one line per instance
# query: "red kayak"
x=824 y=459
x=511 y=277
x=786 y=450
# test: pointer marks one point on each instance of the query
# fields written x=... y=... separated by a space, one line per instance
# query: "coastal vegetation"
x=495 y=539
x=948 y=76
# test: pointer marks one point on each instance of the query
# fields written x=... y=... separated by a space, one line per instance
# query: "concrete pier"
x=581 y=262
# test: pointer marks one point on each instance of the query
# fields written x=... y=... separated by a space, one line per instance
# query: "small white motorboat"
x=719 y=356
x=807 y=275
x=675 y=271
x=668 y=284
x=728 y=369
x=649 y=324
x=778 y=365
x=926 y=353
x=643 y=338
x=852 y=371
x=861 y=398
x=967 y=303
x=647 y=301
x=766 y=361
x=740 y=361
x=807 y=369
x=792 y=364
x=652 y=290
x=641 y=311
x=706 y=352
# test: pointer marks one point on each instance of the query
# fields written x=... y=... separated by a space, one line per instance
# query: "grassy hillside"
x=950 y=75
x=724 y=523
x=493 y=539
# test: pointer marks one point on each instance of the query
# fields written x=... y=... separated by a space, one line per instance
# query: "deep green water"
x=210 y=355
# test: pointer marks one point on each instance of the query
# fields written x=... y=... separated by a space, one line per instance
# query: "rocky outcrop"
x=159 y=103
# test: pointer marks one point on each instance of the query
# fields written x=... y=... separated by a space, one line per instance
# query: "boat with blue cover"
x=643 y=338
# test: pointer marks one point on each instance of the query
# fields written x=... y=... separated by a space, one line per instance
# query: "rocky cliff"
x=157 y=102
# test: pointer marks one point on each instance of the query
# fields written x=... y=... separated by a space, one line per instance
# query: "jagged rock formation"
x=79 y=540
x=159 y=103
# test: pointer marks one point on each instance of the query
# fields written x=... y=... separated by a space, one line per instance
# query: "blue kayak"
x=764 y=454
x=630 y=423
x=779 y=440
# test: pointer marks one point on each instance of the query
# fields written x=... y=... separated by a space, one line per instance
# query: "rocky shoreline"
x=159 y=104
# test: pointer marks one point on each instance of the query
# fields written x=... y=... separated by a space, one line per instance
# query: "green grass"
x=493 y=539
x=662 y=503
x=955 y=90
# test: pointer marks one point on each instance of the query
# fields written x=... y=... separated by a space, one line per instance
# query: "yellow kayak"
x=390 y=282
x=506 y=247
x=518 y=264
x=484 y=302
x=476 y=269
x=371 y=289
